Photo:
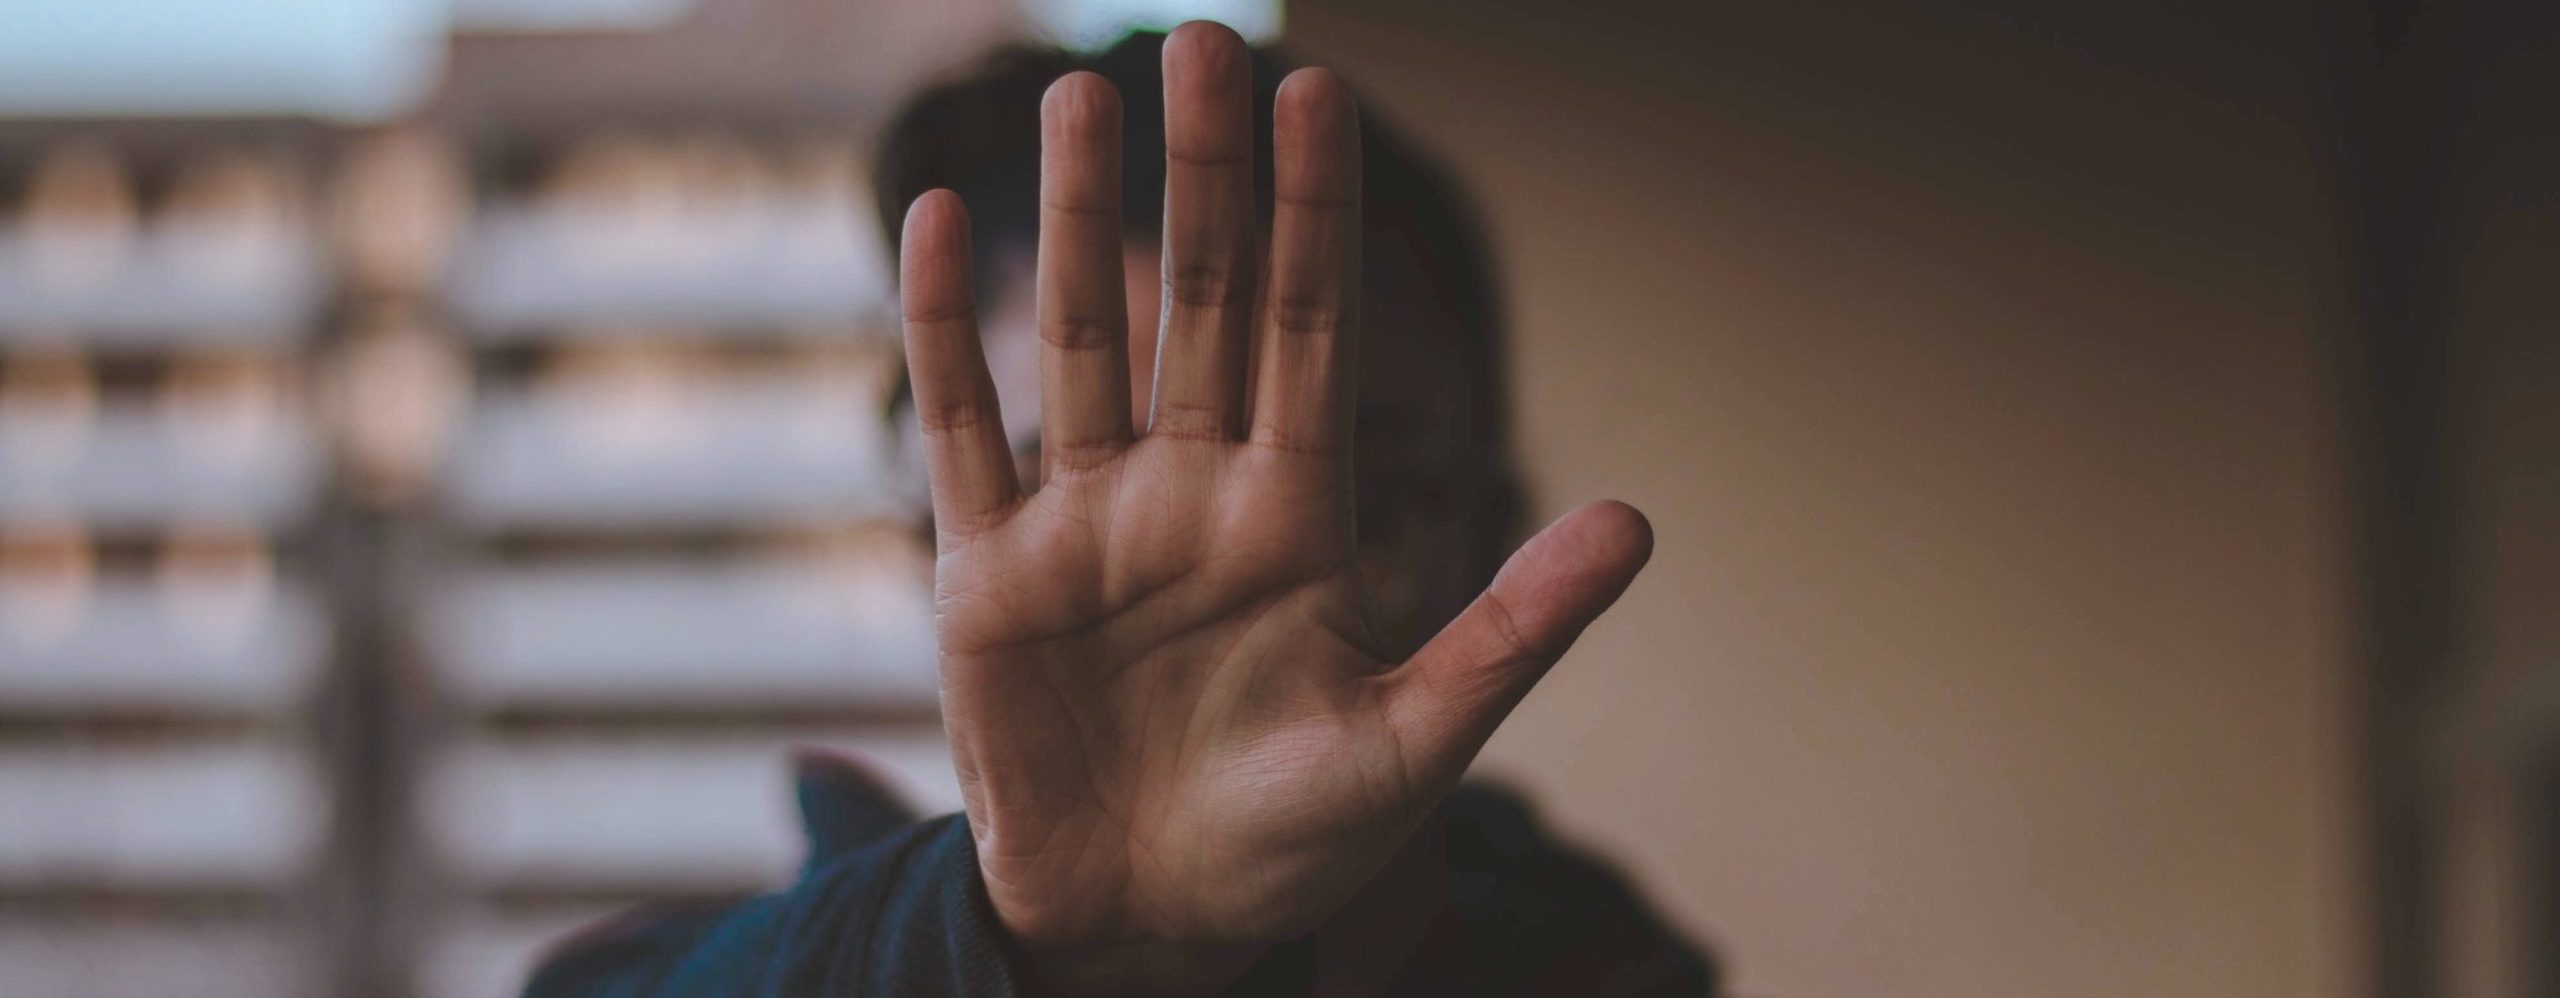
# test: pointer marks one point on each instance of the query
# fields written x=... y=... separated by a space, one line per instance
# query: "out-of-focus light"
x=79 y=216
x=623 y=198
x=225 y=408
x=216 y=582
x=347 y=59
x=1092 y=25
x=402 y=199
x=628 y=400
x=48 y=406
x=47 y=574
x=222 y=251
x=399 y=386
x=241 y=215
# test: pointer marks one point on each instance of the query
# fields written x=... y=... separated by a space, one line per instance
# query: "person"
x=1211 y=672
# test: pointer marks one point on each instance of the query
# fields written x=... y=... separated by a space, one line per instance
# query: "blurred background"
x=2104 y=458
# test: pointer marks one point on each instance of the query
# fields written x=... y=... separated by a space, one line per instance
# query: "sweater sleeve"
x=896 y=910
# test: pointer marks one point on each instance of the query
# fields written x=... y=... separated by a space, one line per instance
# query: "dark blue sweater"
x=890 y=906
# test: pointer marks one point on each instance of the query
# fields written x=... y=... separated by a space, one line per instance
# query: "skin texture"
x=1178 y=740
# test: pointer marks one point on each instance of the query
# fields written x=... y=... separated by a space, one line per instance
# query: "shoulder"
x=884 y=904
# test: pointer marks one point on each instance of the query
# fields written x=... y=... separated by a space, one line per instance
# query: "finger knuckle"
x=955 y=417
x=1305 y=314
x=1215 y=285
x=1187 y=420
x=1079 y=455
x=1081 y=332
x=1510 y=643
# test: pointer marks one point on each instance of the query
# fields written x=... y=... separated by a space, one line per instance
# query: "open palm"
x=1177 y=738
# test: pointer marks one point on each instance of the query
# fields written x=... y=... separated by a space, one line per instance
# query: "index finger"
x=966 y=453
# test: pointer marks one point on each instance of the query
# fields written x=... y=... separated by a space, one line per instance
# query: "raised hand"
x=1178 y=740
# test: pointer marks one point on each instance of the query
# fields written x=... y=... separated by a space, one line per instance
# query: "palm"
x=1172 y=725
x=1183 y=677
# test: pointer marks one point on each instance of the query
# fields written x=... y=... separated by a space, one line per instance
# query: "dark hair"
x=1434 y=430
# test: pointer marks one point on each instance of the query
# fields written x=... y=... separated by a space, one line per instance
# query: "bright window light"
x=345 y=59
x=568 y=15
x=1093 y=25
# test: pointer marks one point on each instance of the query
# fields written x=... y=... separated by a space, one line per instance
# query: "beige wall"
x=1980 y=395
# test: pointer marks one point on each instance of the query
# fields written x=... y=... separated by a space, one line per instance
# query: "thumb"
x=1449 y=697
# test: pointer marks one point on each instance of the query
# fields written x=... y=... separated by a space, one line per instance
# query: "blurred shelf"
x=526 y=271
x=166 y=289
x=617 y=364
x=668 y=632
x=130 y=469
x=136 y=645
x=673 y=456
x=636 y=329
x=148 y=958
x=223 y=815
x=677 y=814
